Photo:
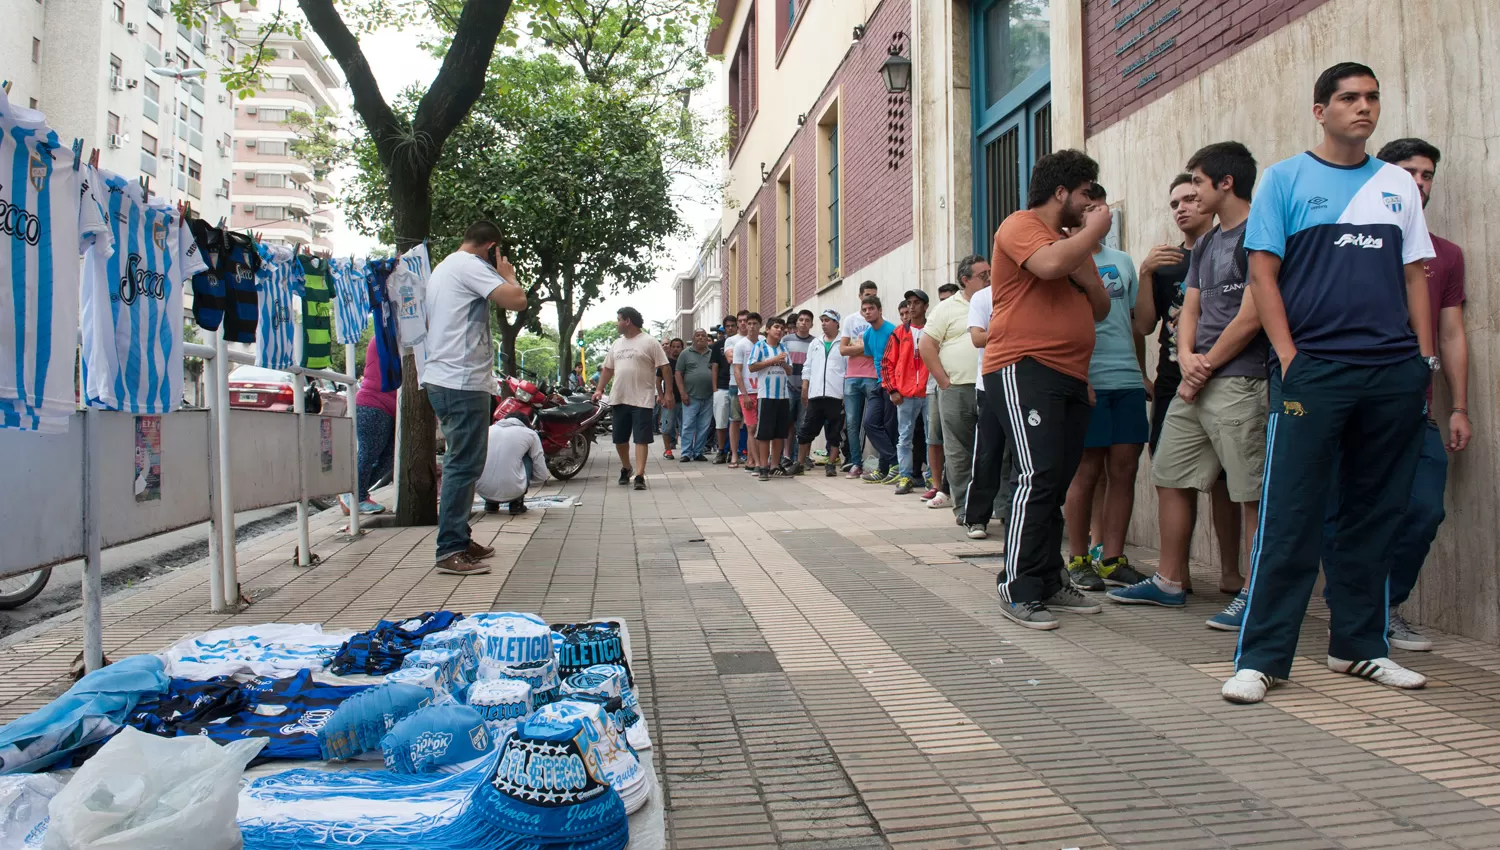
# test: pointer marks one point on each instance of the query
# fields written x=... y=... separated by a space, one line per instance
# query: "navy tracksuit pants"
x=1367 y=421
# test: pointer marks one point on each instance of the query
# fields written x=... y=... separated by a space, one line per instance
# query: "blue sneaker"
x=1146 y=593
x=1232 y=617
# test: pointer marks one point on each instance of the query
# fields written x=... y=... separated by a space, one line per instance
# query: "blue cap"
x=363 y=719
x=435 y=736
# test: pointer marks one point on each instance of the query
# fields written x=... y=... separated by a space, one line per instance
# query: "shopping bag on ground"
x=142 y=792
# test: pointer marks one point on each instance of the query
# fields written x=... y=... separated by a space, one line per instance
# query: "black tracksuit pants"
x=992 y=481
x=1371 y=420
x=1045 y=414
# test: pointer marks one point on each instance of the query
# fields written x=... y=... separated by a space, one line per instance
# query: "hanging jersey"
x=225 y=292
x=132 y=304
x=387 y=345
x=1344 y=235
x=351 y=304
x=274 y=332
x=408 y=291
x=317 y=313
x=49 y=214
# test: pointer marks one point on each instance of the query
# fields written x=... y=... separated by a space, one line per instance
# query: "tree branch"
x=461 y=79
x=381 y=122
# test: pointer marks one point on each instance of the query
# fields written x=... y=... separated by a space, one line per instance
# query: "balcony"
x=151 y=110
x=194 y=187
x=148 y=163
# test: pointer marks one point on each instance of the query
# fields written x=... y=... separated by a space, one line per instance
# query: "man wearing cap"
x=904 y=376
x=823 y=396
x=948 y=351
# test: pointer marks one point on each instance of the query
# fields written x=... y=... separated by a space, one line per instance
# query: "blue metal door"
x=1012 y=107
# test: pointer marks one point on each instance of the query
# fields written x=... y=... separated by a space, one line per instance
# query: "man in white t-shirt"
x=635 y=362
x=736 y=332
x=994 y=462
x=749 y=384
x=459 y=380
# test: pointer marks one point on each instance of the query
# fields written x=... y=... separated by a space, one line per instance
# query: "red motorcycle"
x=567 y=429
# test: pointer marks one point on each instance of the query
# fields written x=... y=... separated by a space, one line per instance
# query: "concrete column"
x=1067 y=74
x=944 y=130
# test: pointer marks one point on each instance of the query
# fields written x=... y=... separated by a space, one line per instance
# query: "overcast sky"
x=398 y=63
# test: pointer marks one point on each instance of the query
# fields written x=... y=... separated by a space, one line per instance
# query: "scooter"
x=568 y=430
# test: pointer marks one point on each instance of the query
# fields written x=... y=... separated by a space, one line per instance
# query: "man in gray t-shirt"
x=1218 y=272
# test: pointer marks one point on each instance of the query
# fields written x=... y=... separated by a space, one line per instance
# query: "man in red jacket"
x=904 y=376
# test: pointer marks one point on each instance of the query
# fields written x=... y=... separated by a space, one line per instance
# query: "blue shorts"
x=1119 y=418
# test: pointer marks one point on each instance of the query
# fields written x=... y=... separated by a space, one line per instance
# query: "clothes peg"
x=94 y=158
x=5 y=85
x=220 y=225
x=77 y=153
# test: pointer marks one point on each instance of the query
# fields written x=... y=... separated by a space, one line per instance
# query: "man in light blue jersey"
x=1336 y=242
x=770 y=361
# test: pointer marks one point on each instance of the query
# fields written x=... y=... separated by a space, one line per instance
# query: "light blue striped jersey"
x=351 y=303
x=132 y=303
x=773 y=381
x=49 y=214
x=275 y=333
x=1344 y=235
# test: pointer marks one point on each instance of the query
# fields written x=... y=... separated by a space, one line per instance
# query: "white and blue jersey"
x=1344 y=235
x=48 y=216
x=773 y=379
x=275 y=333
x=351 y=303
x=132 y=303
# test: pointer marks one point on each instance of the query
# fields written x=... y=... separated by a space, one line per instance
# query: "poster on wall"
x=147 y=458
x=326 y=426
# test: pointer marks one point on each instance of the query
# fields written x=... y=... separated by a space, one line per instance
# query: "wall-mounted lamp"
x=763 y=172
x=801 y=119
x=859 y=31
x=897 y=72
x=742 y=213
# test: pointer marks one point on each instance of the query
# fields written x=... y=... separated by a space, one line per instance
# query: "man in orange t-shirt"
x=1047 y=296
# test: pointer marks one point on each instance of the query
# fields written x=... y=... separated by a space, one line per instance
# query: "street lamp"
x=897 y=72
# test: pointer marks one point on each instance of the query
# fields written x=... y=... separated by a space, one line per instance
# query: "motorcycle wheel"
x=567 y=464
x=16 y=591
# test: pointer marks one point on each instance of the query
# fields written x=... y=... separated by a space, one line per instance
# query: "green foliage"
x=595 y=342
x=336 y=353
x=320 y=140
x=536 y=354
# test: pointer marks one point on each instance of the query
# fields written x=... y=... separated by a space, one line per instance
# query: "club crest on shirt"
x=159 y=234
x=1392 y=202
x=38 y=173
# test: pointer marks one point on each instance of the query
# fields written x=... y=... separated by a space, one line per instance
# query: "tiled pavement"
x=824 y=669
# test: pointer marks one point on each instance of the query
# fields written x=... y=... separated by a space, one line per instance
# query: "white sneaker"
x=939 y=501
x=1382 y=670
x=977 y=532
x=1247 y=686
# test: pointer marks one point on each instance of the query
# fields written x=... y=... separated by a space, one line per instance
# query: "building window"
x=153 y=36
x=787 y=12
x=268 y=180
x=33 y=102
x=272 y=147
x=784 y=239
x=195 y=170
x=1017 y=41
x=830 y=196
x=111 y=124
x=182 y=162
x=742 y=80
x=229 y=52
x=119 y=11
x=182 y=59
x=272 y=115
x=196 y=121
x=224 y=188
x=270 y=213
x=36 y=51
x=148 y=143
x=152 y=91
x=734 y=278
x=752 y=256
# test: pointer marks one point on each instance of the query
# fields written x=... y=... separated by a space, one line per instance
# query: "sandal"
x=734 y=464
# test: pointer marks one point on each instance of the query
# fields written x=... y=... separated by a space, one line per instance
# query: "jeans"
x=880 y=424
x=464 y=416
x=854 y=414
x=908 y=413
x=377 y=446
x=697 y=423
x=667 y=422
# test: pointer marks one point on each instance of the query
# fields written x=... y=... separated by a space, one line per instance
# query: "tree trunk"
x=416 y=454
x=567 y=323
x=509 y=330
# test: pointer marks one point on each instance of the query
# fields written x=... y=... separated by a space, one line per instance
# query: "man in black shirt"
x=1164 y=273
x=722 y=399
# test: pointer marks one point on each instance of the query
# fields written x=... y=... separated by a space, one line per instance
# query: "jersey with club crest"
x=49 y=214
x=351 y=302
x=132 y=303
x=278 y=278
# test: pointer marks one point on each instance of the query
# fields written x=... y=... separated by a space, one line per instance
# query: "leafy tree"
x=596 y=342
x=536 y=355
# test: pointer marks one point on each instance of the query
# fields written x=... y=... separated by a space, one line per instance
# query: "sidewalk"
x=823 y=669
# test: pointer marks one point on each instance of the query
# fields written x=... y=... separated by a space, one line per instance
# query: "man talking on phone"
x=459 y=379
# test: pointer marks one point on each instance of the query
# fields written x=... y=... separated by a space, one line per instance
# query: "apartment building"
x=697 y=292
x=111 y=72
x=283 y=197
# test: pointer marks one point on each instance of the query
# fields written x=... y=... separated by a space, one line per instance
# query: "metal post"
x=215 y=564
x=299 y=407
x=227 y=554
x=93 y=585
x=353 y=441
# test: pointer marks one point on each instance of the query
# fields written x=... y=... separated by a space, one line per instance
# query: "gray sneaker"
x=1032 y=615
x=1401 y=635
x=1070 y=600
x=1081 y=574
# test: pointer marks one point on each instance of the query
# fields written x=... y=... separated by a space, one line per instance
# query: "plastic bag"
x=142 y=792
x=23 y=805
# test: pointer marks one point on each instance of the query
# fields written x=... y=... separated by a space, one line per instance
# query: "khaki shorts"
x=1224 y=428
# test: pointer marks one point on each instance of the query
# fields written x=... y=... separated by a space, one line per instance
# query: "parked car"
x=268 y=389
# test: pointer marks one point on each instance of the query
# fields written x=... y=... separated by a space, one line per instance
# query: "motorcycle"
x=567 y=429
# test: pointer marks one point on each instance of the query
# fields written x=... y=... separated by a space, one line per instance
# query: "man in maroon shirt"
x=1424 y=513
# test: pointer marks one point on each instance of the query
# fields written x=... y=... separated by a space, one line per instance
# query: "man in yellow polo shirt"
x=949 y=355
